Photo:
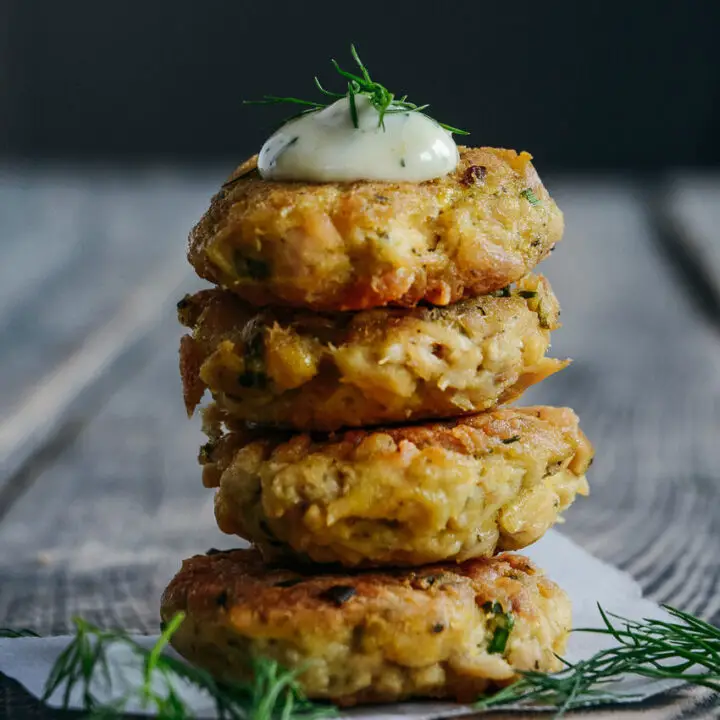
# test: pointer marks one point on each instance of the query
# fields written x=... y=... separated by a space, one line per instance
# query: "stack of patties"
x=357 y=346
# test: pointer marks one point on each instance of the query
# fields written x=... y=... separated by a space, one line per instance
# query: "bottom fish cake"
x=405 y=495
x=441 y=631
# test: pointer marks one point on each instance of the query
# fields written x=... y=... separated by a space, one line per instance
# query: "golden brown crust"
x=403 y=495
x=369 y=637
x=295 y=368
x=191 y=361
x=350 y=246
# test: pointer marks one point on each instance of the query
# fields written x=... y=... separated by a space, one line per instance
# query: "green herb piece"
x=683 y=648
x=276 y=99
x=500 y=638
x=273 y=693
x=501 y=625
x=250 y=267
x=380 y=97
x=510 y=440
x=530 y=196
x=205 y=454
x=20 y=632
x=254 y=356
x=335 y=95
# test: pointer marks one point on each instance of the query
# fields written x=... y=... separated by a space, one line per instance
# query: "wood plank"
x=126 y=505
x=102 y=529
x=646 y=385
x=694 y=202
x=41 y=219
x=72 y=311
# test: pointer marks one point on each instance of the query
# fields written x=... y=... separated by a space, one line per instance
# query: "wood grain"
x=102 y=528
x=91 y=261
x=694 y=204
x=646 y=384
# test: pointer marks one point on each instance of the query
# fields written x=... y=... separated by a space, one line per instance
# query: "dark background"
x=630 y=85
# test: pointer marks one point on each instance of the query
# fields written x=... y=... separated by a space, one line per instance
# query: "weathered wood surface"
x=694 y=201
x=89 y=259
x=646 y=384
x=96 y=526
x=692 y=204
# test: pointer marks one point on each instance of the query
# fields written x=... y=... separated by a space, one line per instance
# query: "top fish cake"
x=357 y=245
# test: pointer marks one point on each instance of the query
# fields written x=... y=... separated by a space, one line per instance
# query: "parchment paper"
x=586 y=579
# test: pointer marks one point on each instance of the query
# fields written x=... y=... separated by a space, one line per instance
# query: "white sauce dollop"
x=324 y=146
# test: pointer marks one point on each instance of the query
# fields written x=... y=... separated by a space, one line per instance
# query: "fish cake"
x=357 y=245
x=308 y=371
x=443 y=631
x=400 y=496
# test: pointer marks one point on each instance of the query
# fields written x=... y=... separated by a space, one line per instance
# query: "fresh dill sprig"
x=20 y=632
x=380 y=97
x=272 y=694
x=684 y=648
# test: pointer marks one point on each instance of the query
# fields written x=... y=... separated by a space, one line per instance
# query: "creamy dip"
x=325 y=146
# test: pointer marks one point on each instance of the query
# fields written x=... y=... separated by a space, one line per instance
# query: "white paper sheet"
x=586 y=579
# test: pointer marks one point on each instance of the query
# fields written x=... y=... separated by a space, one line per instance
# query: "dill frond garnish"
x=20 y=632
x=380 y=97
x=272 y=694
x=683 y=648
